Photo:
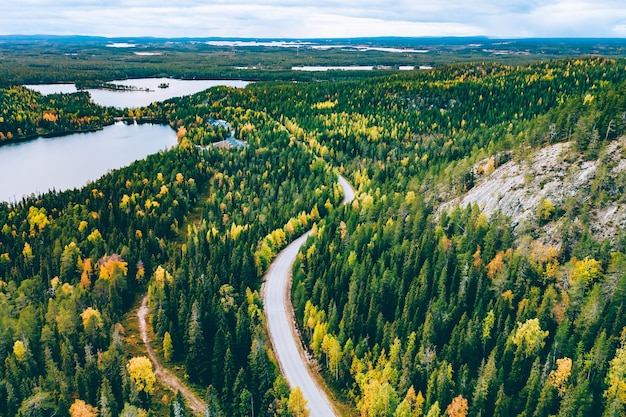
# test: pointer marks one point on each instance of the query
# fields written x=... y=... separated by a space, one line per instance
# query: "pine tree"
x=195 y=360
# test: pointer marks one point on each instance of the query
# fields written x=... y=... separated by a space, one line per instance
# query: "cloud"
x=331 y=25
x=324 y=18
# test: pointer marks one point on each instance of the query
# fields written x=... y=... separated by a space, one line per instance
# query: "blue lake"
x=71 y=161
x=141 y=98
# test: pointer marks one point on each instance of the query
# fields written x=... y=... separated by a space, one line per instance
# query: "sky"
x=315 y=19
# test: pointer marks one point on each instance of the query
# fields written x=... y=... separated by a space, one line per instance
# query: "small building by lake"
x=230 y=143
x=219 y=123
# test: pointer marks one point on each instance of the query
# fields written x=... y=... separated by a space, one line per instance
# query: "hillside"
x=550 y=178
x=506 y=300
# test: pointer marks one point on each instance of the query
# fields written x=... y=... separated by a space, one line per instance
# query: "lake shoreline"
x=135 y=93
x=57 y=134
x=52 y=134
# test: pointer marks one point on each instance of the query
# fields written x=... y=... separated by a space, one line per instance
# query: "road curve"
x=281 y=325
x=348 y=191
x=196 y=405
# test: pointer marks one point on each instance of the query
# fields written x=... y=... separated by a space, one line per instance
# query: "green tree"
x=132 y=411
x=214 y=408
x=195 y=361
x=107 y=404
x=40 y=404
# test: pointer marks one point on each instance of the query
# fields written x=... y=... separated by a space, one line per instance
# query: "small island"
x=164 y=85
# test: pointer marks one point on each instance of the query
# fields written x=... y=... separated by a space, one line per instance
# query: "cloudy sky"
x=315 y=19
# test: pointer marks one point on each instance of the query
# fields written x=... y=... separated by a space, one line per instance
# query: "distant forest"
x=56 y=59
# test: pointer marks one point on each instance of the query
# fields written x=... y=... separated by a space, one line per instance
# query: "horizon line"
x=286 y=38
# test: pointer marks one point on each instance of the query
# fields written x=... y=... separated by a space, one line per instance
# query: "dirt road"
x=166 y=378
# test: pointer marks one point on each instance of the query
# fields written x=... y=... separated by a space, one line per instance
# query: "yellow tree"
x=297 y=403
x=181 y=133
x=85 y=277
x=545 y=210
x=321 y=328
x=168 y=347
x=379 y=398
x=458 y=407
x=488 y=323
x=496 y=265
x=89 y=314
x=615 y=394
x=529 y=337
x=112 y=265
x=37 y=219
x=332 y=348
x=585 y=271
x=411 y=406
x=559 y=376
x=141 y=374
x=27 y=252
x=81 y=409
x=490 y=166
x=161 y=276
x=434 y=410
x=19 y=350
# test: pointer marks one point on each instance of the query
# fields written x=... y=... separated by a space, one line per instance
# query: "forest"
x=85 y=60
x=422 y=312
x=408 y=309
x=26 y=114
x=183 y=222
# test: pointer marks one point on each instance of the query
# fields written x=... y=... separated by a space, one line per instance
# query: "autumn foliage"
x=141 y=374
x=111 y=265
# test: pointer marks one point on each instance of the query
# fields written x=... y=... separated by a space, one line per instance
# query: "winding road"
x=281 y=325
x=348 y=191
x=163 y=375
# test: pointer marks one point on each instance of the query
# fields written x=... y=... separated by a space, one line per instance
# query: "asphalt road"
x=348 y=191
x=280 y=322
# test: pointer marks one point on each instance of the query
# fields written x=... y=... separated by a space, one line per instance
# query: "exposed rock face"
x=555 y=173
